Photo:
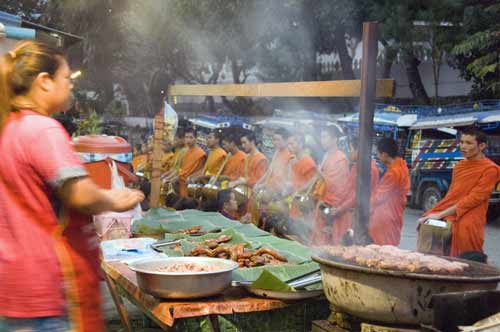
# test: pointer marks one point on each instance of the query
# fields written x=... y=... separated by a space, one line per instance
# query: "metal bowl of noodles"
x=184 y=277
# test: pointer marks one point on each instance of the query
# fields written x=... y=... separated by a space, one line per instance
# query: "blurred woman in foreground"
x=45 y=284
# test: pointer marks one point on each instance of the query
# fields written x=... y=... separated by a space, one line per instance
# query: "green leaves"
x=477 y=55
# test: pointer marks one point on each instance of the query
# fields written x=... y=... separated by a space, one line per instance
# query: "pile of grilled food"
x=220 y=248
x=393 y=258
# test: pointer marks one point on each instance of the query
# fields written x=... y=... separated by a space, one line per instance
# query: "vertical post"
x=157 y=156
x=368 y=90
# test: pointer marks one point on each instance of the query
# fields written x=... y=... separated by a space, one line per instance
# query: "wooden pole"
x=368 y=90
x=157 y=156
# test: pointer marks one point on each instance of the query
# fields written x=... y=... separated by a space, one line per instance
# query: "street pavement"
x=492 y=236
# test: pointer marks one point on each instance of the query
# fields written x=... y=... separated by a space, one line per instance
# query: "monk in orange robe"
x=302 y=170
x=215 y=161
x=140 y=159
x=303 y=167
x=350 y=201
x=388 y=202
x=254 y=169
x=335 y=173
x=193 y=161
x=276 y=175
x=466 y=202
x=235 y=166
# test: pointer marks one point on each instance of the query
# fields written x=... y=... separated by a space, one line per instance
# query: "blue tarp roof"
x=421 y=117
x=456 y=120
x=17 y=28
x=9 y=19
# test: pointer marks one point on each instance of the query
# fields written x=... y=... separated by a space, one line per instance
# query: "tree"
x=97 y=22
x=478 y=55
x=441 y=30
x=156 y=54
x=221 y=34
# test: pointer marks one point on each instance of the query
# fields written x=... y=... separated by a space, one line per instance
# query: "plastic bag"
x=171 y=121
x=116 y=225
x=116 y=179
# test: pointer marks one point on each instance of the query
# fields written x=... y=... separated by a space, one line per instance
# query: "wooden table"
x=122 y=282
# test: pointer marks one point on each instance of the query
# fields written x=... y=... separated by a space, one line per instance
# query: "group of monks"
x=330 y=184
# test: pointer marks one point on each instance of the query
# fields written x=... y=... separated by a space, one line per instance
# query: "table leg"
x=214 y=323
x=120 y=306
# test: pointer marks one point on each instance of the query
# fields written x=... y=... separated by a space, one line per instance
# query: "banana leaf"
x=176 y=226
x=267 y=280
x=284 y=245
x=158 y=213
x=152 y=222
x=171 y=252
x=188 y=243
x=283 y=272
x=250 y=230
x=221 y=221
x=192 y=212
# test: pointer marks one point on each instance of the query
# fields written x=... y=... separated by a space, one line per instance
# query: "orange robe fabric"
x=471 y=186
x=257 y=168
x=235 y=166
x=215 y=162
x=192 y=162
x=139 y=162
x=350 y=201
x=388 y=203
x=278 y=170
x=335 y=170
x=302 y=172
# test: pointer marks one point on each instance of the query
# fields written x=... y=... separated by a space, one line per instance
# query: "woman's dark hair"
x=19 y=68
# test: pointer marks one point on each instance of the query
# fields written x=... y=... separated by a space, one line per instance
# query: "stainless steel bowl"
x=183 y=285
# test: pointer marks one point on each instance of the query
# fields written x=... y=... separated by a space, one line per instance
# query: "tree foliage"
x=478 y=55
x=146 y=45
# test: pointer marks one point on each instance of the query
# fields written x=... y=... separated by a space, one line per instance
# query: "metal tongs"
x=163 y=243
x=299 y=282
